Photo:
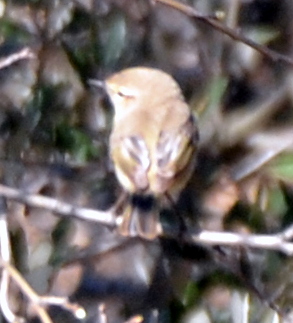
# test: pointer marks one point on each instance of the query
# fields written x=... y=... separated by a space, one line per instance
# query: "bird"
x=153 y=144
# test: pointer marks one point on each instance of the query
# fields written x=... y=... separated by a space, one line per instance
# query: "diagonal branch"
x=25 y=53
x=9 y=272
x=60 y=208
x=234 y=34
x=40 y=302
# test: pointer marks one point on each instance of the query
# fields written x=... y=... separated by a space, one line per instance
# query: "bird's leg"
x=120 y=203
x=182 y=224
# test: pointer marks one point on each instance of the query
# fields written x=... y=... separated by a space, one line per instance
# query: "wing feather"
x=132 y=161
x=175 y=149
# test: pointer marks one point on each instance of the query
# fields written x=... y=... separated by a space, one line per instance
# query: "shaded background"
x=54 y=131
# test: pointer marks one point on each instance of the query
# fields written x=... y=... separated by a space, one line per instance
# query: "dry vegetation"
x=61 y=258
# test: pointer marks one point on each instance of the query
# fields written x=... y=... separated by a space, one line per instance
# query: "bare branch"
x=40 y=302
x=74 y=308
x=4 y=237
x=25 y=53
x=234 y=34
x=271 y=242
x=5 y=308
x=261 y=241
x=9 y=272
x=101 y=313
x=58 y=207
x=287 y=234
x=5 y=256
x=135 y=319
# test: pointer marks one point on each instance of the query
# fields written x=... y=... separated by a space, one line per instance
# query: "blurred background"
x=54 y=130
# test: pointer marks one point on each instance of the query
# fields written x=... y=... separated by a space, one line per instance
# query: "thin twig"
x=9 y=272
x=135 y=319
x=5 y=256
x=261 y=241
x=39 y=302
x=101 y=313
x=234 y=34
x=25 y=53
x=5 y=252
x=58 y=207
x=5 y=308
x=287 y=234
x=28 y=291
x=74 y=308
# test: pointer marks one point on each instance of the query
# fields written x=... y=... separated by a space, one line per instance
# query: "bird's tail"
x=140 y=217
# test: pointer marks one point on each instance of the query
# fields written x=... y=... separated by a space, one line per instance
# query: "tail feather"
x=140 y=221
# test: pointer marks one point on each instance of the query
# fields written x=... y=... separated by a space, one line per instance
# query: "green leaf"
x=77 y=143
x=115 y=39
x=282 y=167
x=217 y=89
x=191 y=294
x=12 y=32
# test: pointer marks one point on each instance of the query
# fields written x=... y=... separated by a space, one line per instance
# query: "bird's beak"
x=98 y=83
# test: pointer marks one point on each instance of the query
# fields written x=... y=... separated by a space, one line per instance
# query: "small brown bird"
x=152 y=144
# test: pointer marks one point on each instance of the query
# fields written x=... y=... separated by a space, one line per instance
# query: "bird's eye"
x=125 y=92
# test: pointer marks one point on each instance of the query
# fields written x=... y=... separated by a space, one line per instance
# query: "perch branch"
x=262 y=241
x=279 y=241
x=61 y=208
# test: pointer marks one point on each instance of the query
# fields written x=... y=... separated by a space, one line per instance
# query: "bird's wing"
x=132 y=161
x=176 y=149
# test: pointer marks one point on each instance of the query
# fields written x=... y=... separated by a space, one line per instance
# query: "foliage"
x=54 y=130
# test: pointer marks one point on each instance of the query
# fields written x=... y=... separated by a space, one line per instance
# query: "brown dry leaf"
x=66 y=280
x=219 y=200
